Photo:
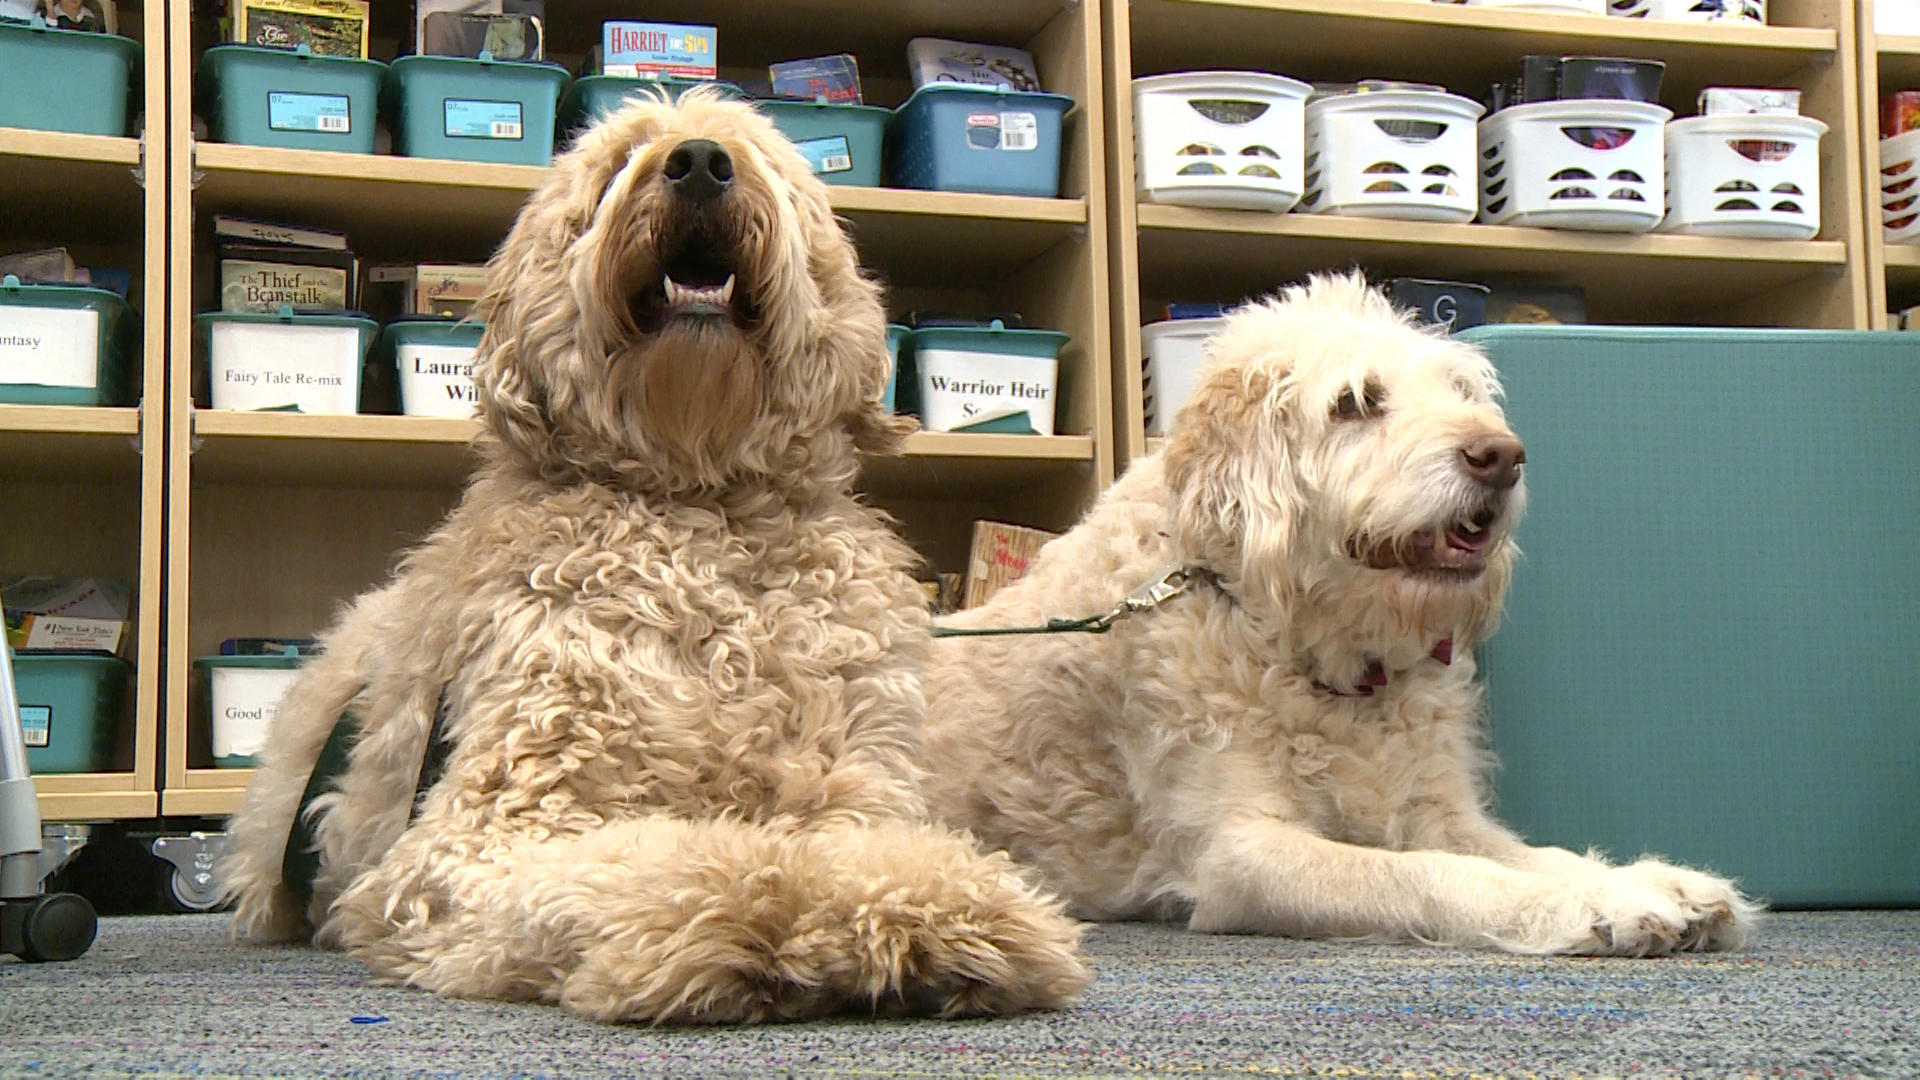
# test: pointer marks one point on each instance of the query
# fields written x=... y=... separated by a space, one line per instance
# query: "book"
x=325 y=27
x=248 y=230
x=91 y=16
x=262 y=279
x=46 y=266
x=65 y=614
x=1001 y=555
x=503 y=37
x=427 y=9
x=937 y=60
x=835 y=78
x=449 y=290
x=643 y=50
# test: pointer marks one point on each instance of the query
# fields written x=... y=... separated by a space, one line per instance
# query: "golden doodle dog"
x=1289 y=744
x=676 y=665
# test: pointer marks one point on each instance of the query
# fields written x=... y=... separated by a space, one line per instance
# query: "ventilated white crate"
x=1900 y=188
x=1746 y=176
x=1219 y=138
x=1171 y=354
x=1746 y=11
x=1583 y=7
x=1392 y=154
x=1598 y=165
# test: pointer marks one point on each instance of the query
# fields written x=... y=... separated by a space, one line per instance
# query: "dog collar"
x=1376 y=675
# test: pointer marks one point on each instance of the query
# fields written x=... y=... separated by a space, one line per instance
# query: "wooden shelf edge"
x=69 y=419
x=100 y=149
x=1496 y=237
x=97 y=805
x=354 y=427
x=1503 y=21
x=939 y=444
x=209 y=802
x=1906 y=256
x=101 y=783
x=1897 y=44
x=214 y=157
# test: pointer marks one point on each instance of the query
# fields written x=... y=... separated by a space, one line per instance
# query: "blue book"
x=658 y=50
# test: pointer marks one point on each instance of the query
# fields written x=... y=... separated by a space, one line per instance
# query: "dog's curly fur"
x=681 y=663
x=1234 y=757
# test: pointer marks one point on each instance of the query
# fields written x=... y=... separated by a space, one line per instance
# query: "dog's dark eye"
x=1359 y=406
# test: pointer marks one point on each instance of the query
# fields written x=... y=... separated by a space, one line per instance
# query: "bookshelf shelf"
x=50 y=441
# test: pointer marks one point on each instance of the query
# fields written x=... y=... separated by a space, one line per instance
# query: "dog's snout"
x=700 y=170
x=1494 y=460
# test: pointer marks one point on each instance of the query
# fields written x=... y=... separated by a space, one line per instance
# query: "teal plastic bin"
x=591 y=97
x=70 y=709
x=65 y=80
x=242 y=696
x=843 y=143
x=289 y=98
x=896 y=336
x=302 y=362
x=473 y=110
x=961 y=137
x=1023 y=365
x=431 y=363
x=75 y=342
x=1710 y=645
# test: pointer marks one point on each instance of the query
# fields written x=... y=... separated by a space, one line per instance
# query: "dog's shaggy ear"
x=1231 y=469
x=851 y=346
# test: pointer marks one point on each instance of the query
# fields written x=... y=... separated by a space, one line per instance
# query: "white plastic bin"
x=1598 y=165
x=1900 y=188
x=244 y=694
x=1746 y=11
x=1745 y=176
x=1220 y=138
x=1392 y=154
x=1172 y=353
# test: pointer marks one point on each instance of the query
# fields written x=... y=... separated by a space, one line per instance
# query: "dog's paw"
x=1652 y=909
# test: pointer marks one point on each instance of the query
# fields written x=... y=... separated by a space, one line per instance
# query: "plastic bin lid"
x=431 y=327
x=291 y=317
x=71 y=657
x=948 y=89
x=58 y=294
x=819 y=104
x=218 y=57
x=126 y=46
x=548 y=68
x=995 y=333
x=277 y=663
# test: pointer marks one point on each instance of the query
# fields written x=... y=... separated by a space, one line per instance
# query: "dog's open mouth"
x=700 y=278
x=1456 y=551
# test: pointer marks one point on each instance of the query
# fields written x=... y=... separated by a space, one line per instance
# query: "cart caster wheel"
x=58 y=926
x=181 y=893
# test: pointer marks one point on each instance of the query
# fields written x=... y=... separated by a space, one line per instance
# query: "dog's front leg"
x=1259 y=874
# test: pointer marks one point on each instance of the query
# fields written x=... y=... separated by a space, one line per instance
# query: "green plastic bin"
x=242 y=696
x=1710 y=645
x=473 y=110
x=65 y=80
x=896 y=336
x=591 y=97
x=254 y=361
x=841 y=142
x=1024 y=362
x=431 y=364
x=65 y=345
x=70 y=709
x=289 y=98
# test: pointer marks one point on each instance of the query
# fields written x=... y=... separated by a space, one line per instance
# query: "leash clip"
x=1169 y=583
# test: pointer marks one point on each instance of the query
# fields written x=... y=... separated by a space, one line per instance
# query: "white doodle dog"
x=1292 y=743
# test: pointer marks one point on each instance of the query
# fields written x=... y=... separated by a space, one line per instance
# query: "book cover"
x=445 y=289
x=265 y=279
x=91 y=16
x=426 y=9
x=326 y=27
x=504 y=37
x=835 y=78
x=936 y=60
x=642 y=50
x=1001 y=555
x=248 y=230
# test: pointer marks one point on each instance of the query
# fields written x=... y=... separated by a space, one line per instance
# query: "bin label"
x=324 y=113
x=36 y=722
x=828 y=155
x=49 y=346
x=1003 y=131
x=483 y=119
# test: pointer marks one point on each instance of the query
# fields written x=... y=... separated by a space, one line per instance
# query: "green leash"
x=1170 y=582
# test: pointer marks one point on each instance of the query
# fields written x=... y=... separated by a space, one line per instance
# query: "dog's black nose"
x=700 y=170
x=1494 y=460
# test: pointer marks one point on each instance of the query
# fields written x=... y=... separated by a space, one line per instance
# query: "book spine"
x=1001 y=555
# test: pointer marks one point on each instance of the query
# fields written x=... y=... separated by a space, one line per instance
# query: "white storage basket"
x=1745 y=176
x=1219 y=138
x=1392 y=154
x=1900 y=188
x=1598 y=165
x=1578 y=7
x=1171 y=354
x=1746 y=11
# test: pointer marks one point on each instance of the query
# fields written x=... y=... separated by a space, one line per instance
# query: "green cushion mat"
x=1712 y=644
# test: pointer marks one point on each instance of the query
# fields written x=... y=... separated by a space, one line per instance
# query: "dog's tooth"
x=673 y=291
x=1470 y=528
x=726 y=291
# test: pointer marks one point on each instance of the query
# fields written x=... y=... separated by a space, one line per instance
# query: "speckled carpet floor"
x=1819 y=994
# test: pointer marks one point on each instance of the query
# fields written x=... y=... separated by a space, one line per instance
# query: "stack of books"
x=264 y=267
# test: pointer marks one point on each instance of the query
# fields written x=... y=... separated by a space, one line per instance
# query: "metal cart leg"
x=35 y=927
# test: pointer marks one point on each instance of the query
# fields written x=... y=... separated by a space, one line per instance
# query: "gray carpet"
x=1819 y=994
